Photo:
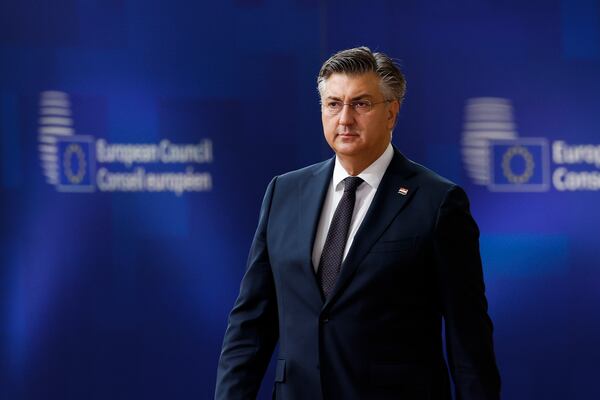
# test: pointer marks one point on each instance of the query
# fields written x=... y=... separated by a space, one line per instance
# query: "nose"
x=346 y=115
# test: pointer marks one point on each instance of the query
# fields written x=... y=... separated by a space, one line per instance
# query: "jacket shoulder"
x=305 y=172
x=428 y=178
x=292 y=179
x=434 y=189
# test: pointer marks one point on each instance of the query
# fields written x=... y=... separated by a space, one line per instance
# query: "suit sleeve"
x=462 y=293
x=252 y=330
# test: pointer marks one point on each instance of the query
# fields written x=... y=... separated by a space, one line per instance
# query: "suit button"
x=324 y=320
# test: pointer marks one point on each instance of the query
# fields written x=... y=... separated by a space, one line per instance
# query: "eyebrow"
x=359 y=97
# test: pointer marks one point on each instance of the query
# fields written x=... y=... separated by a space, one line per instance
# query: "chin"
x=348 y=150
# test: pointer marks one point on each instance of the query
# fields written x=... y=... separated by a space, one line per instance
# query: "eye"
x=333 y=104
x=361 y=104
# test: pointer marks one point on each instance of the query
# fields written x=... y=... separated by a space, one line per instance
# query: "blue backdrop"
x=137 y=138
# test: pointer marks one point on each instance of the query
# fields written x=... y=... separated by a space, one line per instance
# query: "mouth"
x=347 y=134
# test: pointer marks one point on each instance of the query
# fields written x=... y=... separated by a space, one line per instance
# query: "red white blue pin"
x=403 y=191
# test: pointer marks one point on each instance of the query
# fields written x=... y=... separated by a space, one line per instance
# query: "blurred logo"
x=76 y=164
x=69 y=161
x=494 y=155
x=519 y=165
x=55 y=123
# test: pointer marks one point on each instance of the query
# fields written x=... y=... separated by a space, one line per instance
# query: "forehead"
x=347 y=86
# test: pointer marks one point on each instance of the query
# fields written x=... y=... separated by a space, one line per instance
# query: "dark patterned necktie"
x=335 y=243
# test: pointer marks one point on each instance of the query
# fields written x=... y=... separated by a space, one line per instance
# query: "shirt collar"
x=372 y=174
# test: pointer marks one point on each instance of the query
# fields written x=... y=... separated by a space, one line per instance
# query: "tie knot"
x=351 y=183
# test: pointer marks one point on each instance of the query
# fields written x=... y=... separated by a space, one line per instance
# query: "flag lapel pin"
x=403 y=191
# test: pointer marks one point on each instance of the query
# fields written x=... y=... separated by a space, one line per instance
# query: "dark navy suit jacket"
x=413 y=265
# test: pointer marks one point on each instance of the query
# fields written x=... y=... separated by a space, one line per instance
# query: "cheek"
x=381 y=125
x=328 y=127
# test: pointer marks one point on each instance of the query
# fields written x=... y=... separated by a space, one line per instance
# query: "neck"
x=353 y=167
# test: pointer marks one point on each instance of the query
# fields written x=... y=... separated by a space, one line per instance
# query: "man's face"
x=356 y=137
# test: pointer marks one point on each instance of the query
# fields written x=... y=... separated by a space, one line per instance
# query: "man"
x=357 y=261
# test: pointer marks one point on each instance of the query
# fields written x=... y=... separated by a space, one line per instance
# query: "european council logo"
x=493 y=153
x=67 y=160
x=75 y=164
x=519 y=165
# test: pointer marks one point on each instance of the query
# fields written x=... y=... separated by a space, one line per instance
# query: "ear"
x=393 y=110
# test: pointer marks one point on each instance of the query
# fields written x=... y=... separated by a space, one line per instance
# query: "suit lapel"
x=311 y=198
x=393 y=193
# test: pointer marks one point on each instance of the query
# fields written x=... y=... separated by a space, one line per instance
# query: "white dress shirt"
x=364 y=196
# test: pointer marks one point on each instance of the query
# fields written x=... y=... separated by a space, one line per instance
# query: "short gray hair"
x=361 y=60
